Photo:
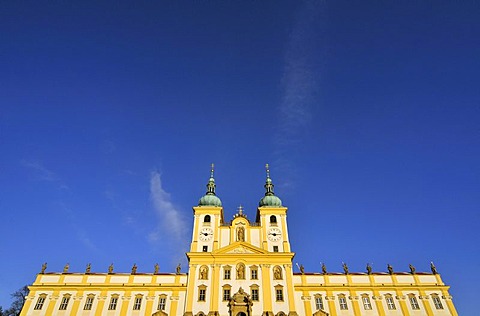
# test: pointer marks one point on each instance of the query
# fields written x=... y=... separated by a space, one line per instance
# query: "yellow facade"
x=239 y=268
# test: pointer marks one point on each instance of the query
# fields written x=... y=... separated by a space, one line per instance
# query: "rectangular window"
x=366 y=302
x=226 y=294
x=390 y=303
x=413 y=302
x=161 y=303
x=113 y=303
x=343 y=302
x=205 y=248
x=275 y=248
x=88 y=303
x=254 y=294
x=40 y=302
x=254 y=274
x=137 y=304
x=318 y=302
x=437 y=302
x=226 y=275
x=64 y=303
x=201 y=295
x=279 y=295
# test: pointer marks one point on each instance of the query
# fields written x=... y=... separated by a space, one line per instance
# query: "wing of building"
x=239 y=268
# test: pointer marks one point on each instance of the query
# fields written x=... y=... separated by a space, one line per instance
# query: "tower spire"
x=211 y=182
x=210 y=198
x=268 y=183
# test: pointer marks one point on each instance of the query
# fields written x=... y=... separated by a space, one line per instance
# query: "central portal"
x=240 y=304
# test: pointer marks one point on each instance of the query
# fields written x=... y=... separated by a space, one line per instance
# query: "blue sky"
x=368 y=113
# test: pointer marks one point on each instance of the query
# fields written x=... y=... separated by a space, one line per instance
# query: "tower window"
x=207 y=219
x=318 y=302
x=162 y=303
x=254 y=294
x=279 y=295
x=205 y=248
x=201 y=295
x=275 y=248
x=343 y=302
x=138 y=303
x=273 y=220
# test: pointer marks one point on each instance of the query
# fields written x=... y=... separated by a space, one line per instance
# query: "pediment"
x=241 y=248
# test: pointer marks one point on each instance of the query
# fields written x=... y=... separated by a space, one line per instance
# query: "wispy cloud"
x=172 y=225
x=303 y=58
x=42 y=173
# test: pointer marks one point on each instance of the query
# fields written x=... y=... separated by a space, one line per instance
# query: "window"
x=64 y=303
x=254 y=274
x=205 y=248
x=162 y=302
x=201 y=295
x=318 y=302
x=437 y=302
x=206 y=219
x=343 y=302
x=279 y=295
x=138 y=303
x=88 y=303
x=366 y=302
x=273 y=220
x=113 y=303
x=40 y=302
x=226 y=294
x=413 y=301
x=390 y=302
x=226 y=274
x=254 y=294
x=275 y=248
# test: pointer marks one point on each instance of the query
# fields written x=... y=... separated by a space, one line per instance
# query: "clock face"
x=206 y=234
x=274 y=234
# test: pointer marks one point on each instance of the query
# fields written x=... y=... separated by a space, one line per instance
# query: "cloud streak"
x=172 y=224
x=42 y=173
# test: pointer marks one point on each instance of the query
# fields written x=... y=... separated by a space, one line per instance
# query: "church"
x=240 y=267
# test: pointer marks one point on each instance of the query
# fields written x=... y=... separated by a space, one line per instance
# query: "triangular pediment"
x=240 y=247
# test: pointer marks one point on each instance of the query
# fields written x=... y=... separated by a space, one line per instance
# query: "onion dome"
x=210 y=198
x=269 y=200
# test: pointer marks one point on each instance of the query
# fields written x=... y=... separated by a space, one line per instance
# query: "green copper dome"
x=269 y=200
x=210 y=198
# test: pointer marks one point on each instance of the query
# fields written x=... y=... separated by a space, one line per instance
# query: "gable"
x=240 y=247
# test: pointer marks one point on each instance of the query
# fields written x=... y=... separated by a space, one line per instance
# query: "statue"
x=65 y=268
x=277 y=273
x=369 y=269
x=134 y=268
x=156 y=267
x=44 y=267
x=345 y=267
x=240 y=271
x=203 y=273
x=241 y=234
x=178 y=268
x=412 y=269
x=88 y=268
x=433 y=268
x=324 y=268
x=302 y=269
x=110 y=268
x=390 y=269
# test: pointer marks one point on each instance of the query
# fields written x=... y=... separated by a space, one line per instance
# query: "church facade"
x=239 y=268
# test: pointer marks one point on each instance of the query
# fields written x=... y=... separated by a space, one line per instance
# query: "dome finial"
x=210 y=198
x=268 y=183
x=267 y=168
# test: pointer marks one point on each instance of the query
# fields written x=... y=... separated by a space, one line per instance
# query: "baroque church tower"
x=250 y=260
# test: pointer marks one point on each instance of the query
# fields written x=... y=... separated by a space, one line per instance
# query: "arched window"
x=366 y=302
x=206 y=219
x=273 y=220
x=162 y=302
x=89 y=302
x=64 y=303
x=390 y=302
x=318 y=302
x=342 y=300
x=40 y=301
x=436 y=301
x=413 y=301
